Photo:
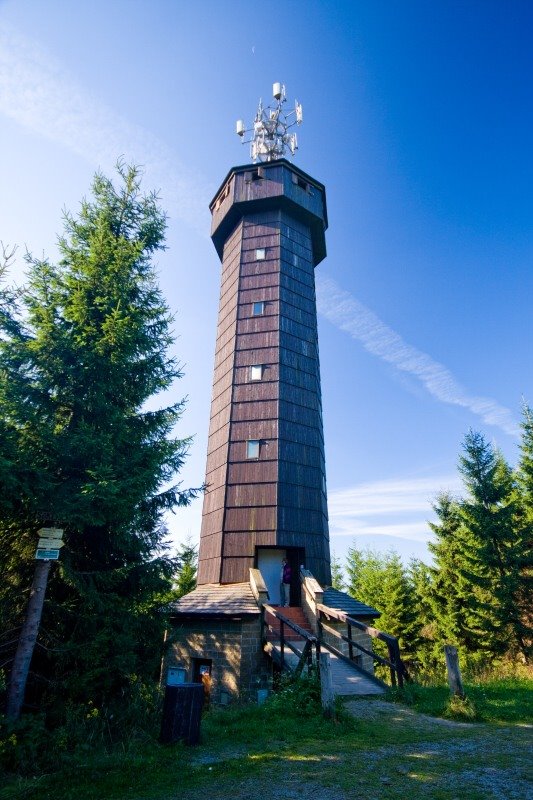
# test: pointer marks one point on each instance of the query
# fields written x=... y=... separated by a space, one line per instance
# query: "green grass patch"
x=385 y=755
x=504 y=700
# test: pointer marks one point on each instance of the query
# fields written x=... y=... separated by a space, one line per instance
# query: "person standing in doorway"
x=286 y=575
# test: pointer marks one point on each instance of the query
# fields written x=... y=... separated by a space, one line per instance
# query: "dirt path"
x=457 y=761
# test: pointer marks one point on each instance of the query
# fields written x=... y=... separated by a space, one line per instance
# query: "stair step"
x=294 y=614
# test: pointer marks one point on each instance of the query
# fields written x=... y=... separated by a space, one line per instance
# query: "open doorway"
x=269 y=564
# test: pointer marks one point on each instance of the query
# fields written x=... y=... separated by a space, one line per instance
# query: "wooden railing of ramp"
x=398 y=671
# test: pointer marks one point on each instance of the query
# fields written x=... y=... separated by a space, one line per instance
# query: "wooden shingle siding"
x=234 y=568
x=244 y=543
x=247 y=391
x=276 y=499
x=265 y=494
x=260 y=409
x=258 y=324
x=253 y=472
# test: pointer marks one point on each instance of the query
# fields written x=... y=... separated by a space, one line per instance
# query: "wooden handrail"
x=394 y=662
x=375 y=633
x=286 y=621
x=310 y=639
x=347 y=639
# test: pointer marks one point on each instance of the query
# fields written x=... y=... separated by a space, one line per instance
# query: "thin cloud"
x=36 y=92
x=396 y=508
x=351 y=316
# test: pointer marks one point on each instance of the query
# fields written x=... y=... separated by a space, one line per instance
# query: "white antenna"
x=270 y=137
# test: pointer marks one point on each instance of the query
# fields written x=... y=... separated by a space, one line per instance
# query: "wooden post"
x=26 y=644
x=326 y=686
x=392 y=659
x=454 y=673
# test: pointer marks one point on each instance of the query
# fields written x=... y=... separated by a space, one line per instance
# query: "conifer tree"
x=525 y=499
x=492 y=548
x=187 y=568
x=337 y=573
x=83 y=352
x=449 y=591
x=382 y=581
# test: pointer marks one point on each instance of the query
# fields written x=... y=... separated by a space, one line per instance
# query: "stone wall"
x=234 y=647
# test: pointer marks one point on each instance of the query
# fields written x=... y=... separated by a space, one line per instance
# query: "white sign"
x=50 y=533
x=50 y=544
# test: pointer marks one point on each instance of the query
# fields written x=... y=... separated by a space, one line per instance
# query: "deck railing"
x=311 y=641
x=398 y=671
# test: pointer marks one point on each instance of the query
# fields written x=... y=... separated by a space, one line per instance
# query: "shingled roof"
x=217 y=600
x=343 y=602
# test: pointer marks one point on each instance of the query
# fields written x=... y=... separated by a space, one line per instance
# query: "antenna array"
x=270 y=137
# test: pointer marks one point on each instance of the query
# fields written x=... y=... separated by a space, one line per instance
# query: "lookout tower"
x=266 y=481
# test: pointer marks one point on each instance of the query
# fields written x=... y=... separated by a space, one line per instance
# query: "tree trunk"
x=28 y=637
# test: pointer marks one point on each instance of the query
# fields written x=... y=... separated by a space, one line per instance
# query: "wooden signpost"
x=46 y=553
x=454 y=673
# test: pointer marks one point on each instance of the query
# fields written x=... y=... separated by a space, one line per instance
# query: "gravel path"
x=482 y=762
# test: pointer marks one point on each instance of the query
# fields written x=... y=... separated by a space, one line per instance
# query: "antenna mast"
x=270 y=137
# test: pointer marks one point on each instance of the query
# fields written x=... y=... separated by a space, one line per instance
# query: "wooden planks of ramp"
x=347 y=680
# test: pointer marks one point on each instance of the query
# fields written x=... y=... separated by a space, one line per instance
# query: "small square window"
x=252 y=448
x=258 y=308
x=256 y=372
x=260 y=254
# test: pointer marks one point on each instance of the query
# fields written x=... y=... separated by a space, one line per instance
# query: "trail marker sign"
x=47 y=555
x=50 y=544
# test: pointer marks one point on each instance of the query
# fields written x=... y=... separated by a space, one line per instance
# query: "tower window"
x=252 y=448
x=260 y=254
x=258 y=308
x=298 y=181
x=254 y=175
x=256 y=372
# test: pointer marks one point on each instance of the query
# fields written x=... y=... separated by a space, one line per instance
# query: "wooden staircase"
x=294 y=614
x=347 y=678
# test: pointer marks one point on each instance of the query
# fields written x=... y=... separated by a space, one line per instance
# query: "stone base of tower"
x=217 y=631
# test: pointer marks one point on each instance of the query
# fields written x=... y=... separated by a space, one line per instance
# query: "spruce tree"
x=493 y=548
x=382 y=581
x=81 y=355
x=524 y=622
x=449 y=591
x=187 y=568
x=337 y=573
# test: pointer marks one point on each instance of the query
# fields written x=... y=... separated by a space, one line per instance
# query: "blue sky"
x=418 y=119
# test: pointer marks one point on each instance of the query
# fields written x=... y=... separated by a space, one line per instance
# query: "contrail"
x=351 y=316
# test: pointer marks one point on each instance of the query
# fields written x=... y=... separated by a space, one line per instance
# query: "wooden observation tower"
x=266 y=481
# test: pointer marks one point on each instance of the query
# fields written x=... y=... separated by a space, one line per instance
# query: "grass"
x=250 y=751
x=505 y=700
